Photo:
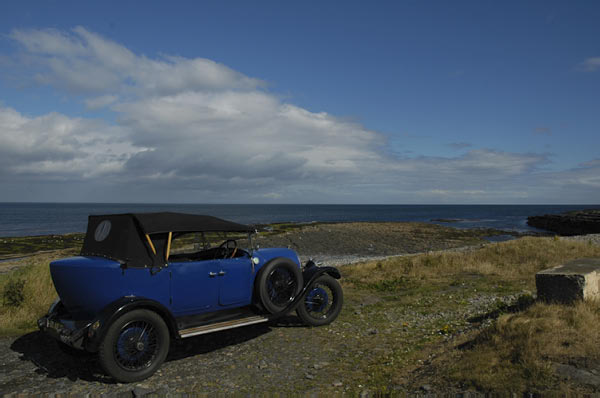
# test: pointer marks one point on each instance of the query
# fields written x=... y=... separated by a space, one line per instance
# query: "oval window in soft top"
x=102 y=231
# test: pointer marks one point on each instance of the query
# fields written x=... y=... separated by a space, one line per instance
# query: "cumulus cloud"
x=58 y=146
x=84 y=62
x=196 y=130
x=100 y=102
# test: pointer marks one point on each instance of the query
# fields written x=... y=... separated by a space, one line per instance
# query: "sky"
x=391 y=102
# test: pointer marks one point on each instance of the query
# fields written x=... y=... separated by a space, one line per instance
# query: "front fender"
x=312 y=269
x=309 y=275
x=98 y=328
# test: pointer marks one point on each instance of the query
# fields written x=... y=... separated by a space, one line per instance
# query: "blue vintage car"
x=128 y=293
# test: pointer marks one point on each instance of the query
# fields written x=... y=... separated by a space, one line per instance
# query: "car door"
x=236 y=281
x=194 y=286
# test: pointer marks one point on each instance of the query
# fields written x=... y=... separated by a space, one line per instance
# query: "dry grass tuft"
x=509 y=261
x=520 y=351
x=38 y=293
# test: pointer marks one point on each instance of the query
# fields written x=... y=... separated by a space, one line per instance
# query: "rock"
x=373 y=331
x=425 y=387
x=309 y=376
x=578 y=375
x=337 y=384
x=263 y=365
x=140 y=391
x=571 y=223
x=575 y=280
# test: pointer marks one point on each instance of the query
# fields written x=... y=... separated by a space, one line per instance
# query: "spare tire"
x=280 y=280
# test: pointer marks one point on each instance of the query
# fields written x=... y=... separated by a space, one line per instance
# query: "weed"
x=13 y=293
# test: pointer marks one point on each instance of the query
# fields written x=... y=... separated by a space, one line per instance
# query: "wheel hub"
x=140 y=346
x=317 y=299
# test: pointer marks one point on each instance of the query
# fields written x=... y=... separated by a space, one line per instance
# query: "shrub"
x=13 y=293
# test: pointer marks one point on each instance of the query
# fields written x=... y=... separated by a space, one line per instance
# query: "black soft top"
x=140 y=239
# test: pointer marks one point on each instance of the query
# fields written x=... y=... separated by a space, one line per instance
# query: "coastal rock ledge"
x=578 y=222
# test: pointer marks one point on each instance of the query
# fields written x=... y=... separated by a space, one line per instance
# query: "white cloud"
x=590 y=64
x=84 y=62
x=57 y=146
x=100 y=102
x=195 y=130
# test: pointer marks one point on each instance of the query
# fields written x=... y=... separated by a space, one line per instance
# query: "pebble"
x=425 y=387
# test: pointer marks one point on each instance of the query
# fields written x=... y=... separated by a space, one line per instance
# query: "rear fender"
x=117 y=308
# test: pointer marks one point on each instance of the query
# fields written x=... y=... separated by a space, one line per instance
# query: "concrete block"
x=575 y=280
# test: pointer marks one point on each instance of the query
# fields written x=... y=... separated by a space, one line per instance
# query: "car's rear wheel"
x=322 y=303
x=279 y=282
x=134 y=346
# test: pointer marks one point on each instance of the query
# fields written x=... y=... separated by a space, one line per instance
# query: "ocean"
x=26 y=219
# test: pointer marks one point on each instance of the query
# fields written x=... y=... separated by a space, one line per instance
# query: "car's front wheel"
x=279 y=282
x=134 y=346
x=322 y=303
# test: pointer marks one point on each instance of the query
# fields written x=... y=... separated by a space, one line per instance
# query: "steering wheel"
x=225 y=247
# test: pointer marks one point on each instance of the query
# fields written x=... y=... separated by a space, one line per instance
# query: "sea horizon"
x=46 y=218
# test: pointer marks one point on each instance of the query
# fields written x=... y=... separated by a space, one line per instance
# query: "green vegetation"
x=27 y=292
x=423 y=300
x=521 y=351
x=26 y=245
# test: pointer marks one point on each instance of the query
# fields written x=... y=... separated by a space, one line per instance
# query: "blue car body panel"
x=87 y=284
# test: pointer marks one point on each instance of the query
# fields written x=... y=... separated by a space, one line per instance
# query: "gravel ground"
x=283 y=356
x=591 y=238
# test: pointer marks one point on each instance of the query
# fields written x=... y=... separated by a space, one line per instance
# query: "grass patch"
x=428 y=298
x=511 y=261
x=27 y=293
x=26 y=245
x=520 y=351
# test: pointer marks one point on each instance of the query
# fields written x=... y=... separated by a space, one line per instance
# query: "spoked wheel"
x=279 y=282
x=281 y=285
x=135 y=346
x=322 y=303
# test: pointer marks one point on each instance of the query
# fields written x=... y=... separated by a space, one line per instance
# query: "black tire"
x=135 y=346
x=280 y=280
x=322 y=303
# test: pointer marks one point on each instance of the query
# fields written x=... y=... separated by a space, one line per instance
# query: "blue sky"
x=305 y=102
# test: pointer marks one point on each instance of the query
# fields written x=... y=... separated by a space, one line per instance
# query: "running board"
x=215 y=327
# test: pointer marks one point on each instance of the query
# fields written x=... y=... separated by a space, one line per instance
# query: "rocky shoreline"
x=571 y=223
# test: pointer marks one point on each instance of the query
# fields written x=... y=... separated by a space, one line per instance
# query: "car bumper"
x=64 y=330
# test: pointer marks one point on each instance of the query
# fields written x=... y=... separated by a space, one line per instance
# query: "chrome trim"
x=215 y=327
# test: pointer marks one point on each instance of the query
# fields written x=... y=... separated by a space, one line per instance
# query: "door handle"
x=212 y=274
x=221 y=273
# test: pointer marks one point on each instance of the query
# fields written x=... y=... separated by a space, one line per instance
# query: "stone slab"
x=575 y=280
